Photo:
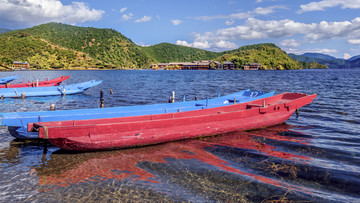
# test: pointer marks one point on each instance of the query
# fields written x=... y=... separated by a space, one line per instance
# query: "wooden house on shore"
x=203 y=65
x=229 y=65
x=19 y=65
x=252 y=66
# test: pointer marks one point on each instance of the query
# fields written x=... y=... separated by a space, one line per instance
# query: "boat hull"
x=24 y=118
x=48 y=91
x=8 y=79
x=104 y=134
x=45 y=83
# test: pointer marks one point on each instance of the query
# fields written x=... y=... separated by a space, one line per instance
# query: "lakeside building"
x=252 y=66
x=229 y=65
x=195 y=65
x=203 y=65
x=19 y=65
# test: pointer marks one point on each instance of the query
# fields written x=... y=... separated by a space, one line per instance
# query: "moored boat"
x=7 y=79
x=45 y=83
x=17 y=121
x=111 y=133
x=48 y=91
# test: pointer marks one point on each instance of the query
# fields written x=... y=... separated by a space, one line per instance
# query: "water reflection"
x=247 y=154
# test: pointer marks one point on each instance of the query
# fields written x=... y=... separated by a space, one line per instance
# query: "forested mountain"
x=269 y=55
x=56 y=45
x=319 y=56
x=166 y=52
x=327 y=60
x=64 y=46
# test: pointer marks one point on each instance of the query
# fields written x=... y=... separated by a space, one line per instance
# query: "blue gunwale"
x=7 y=79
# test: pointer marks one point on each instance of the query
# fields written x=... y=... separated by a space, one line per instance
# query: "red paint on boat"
x=102 y=134
x=45 y=83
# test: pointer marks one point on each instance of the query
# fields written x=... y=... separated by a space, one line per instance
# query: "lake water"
x=315 y=157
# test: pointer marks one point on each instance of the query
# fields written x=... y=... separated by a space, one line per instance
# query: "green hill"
x=20 y=46
x=71 y=46
x=166 y=52
x=267 y=54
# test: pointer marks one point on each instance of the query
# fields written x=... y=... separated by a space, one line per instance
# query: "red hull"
x=101 y=134
x=45 y=83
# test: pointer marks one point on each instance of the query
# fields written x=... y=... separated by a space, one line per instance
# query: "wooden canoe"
x=17 y=121
x=7 y=79
x=48 y=91
x=52 y=82
x=103 y=134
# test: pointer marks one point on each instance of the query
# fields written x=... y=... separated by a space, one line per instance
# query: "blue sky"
x=327 y=26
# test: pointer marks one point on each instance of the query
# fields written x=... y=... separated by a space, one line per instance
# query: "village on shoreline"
x=204 y=65
x=194 y=65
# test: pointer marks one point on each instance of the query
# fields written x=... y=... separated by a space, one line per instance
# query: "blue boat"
x=17 y=121
x=5 y=80
x=48 y=91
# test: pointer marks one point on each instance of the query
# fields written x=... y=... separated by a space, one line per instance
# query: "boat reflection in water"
x=244 y=154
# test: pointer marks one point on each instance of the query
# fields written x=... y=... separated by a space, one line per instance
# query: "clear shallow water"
x=315 y=157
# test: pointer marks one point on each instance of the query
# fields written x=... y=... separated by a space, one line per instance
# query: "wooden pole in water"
x=52 y=107
x=173 y=97
x=111 y=91
x=101 y=99
x=23 y=95
x=2 y=96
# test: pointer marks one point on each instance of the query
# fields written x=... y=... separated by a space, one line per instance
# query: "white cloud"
x=254 y=29
x=122 y=10
x=318 y=50
x=204 y=44
x=34 y=12
x=127 y=17
x=289 y=43
x=176 y=22
x=347 y=56
x=225 y=45
x=354 y=41
x=260 y=29
x=201 y=44
x=267 y=10
x=143 y=19
x=322 y=5
x=183 y=43
x=244 y=15
x=229 y=22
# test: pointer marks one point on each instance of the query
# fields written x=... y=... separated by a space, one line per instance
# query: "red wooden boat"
x=102 y=134
x=45 y=83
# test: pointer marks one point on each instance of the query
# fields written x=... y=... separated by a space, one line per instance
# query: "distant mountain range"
x=61 y=46
x=330 y=61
